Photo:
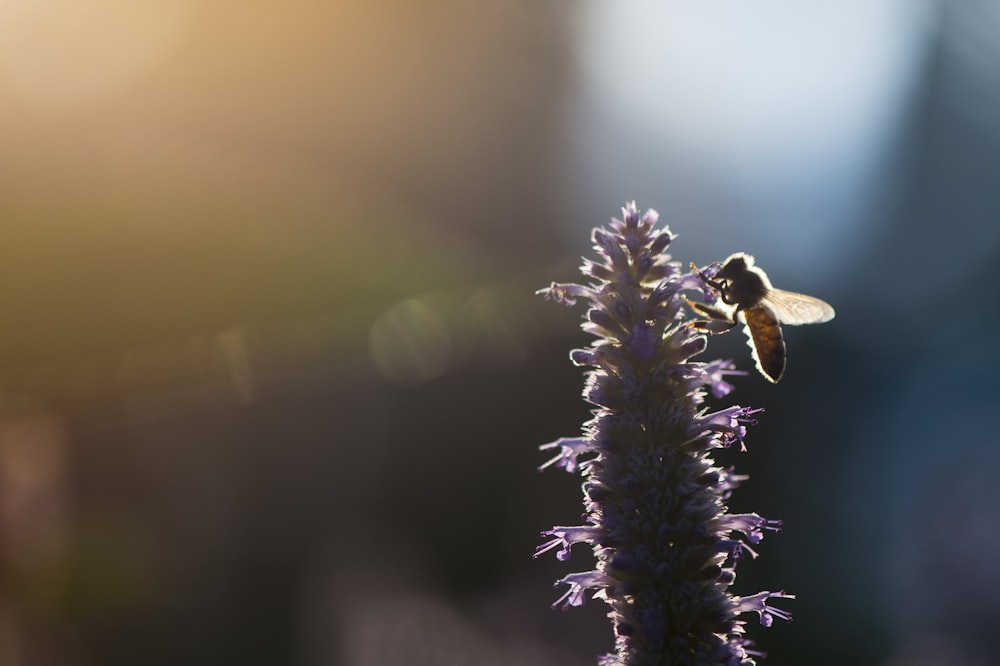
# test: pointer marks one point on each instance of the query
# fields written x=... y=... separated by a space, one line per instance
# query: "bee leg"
x=707 y=280
x=718 y=322
x=712 y=325
x=710 y=312
x=721 y=287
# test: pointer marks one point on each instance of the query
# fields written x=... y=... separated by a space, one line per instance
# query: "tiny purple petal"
x=649 y=219
x=643 y=265
x=661 y=241
x=711 y=271
x=730 y=424
x=643 y=341
x=606 y=322
x=579 y=583
x=688 y=282
x=565 y=294
x=565 y=537
x=669 y=289
x=757 y=603
x=729 y=481
x=749 y=524
x=587 y=357
x=570 y=449
x=714 y=373
x=609 y=247
x=596 y=270
x=693 y=346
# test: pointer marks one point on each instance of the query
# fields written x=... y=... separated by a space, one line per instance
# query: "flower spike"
x=665 y=544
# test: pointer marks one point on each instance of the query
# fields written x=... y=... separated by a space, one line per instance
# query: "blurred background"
x=273 y=376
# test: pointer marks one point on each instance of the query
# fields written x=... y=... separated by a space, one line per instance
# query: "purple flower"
x=665 y=544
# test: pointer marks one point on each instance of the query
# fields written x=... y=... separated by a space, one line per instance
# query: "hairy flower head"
x=665 y=544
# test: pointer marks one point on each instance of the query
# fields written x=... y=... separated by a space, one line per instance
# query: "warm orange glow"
x=171 y=170
x=60 y=58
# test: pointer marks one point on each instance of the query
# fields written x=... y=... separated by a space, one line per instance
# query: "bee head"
x=735 y=266
x=741 y=282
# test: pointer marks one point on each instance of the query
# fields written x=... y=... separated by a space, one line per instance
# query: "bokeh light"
x=272 y=368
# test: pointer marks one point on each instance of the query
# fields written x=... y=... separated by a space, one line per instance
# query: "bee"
x=747 y=288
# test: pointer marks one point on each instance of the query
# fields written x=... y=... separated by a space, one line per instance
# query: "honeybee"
x=746 y=287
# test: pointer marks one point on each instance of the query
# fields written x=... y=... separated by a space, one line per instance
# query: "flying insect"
x=748 y=290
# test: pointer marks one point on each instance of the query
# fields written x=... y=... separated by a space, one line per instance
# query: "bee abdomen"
x=765 y=339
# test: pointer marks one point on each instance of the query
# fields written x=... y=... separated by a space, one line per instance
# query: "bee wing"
x=795 y=309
